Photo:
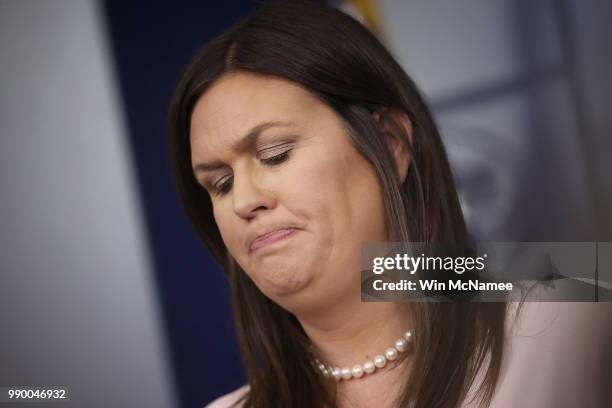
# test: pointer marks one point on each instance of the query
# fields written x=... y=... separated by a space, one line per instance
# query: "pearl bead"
x=391 y=353
x=401 y=345
x=408 y=335
x=380 y=361
x=369 y=367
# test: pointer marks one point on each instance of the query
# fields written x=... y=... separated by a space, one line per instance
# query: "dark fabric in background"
x=152 y=43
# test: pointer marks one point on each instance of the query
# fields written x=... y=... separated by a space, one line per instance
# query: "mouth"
x=270 y=238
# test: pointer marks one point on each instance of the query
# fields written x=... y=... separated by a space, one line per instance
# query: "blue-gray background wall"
x=103 y=285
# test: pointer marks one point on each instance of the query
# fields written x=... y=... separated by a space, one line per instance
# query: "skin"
x=300 y=173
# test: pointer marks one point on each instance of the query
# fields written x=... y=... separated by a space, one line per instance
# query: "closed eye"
x=225 y=185
x=277 y=159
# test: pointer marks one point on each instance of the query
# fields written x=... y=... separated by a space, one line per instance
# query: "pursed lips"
x=270 y=237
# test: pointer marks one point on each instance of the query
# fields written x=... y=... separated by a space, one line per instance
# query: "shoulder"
x=228 y=400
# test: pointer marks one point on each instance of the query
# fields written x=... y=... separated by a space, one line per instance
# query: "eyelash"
x=223 y=188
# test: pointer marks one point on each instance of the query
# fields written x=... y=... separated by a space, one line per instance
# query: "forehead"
x=239 y=101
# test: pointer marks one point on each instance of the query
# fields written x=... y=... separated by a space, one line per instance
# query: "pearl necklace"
x=359 y=370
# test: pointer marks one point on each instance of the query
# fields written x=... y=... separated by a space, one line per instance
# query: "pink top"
x=228 y=400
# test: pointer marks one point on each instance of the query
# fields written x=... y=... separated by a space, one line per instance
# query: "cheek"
x=344 y=189
x=367 y=204
x=354 y=201
x=310 y=191
x=226 y=223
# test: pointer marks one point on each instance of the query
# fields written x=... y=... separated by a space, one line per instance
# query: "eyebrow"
x=245 y=143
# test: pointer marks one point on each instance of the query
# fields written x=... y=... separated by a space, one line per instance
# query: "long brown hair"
x=339 y=61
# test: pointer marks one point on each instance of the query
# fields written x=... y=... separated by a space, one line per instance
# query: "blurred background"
x=104 y=288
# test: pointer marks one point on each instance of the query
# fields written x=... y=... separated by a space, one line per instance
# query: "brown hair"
x=338 y=60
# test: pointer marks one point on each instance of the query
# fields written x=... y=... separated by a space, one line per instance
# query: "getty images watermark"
x=492 y=271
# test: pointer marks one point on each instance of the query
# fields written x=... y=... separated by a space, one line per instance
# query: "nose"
x=249 y=197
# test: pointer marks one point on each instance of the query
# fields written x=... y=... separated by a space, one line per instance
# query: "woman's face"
x=292 y=198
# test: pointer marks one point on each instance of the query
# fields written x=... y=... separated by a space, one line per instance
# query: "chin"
x=282 y=281
x=283 y=286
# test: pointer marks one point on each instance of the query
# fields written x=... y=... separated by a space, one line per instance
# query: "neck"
x=352 y=332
